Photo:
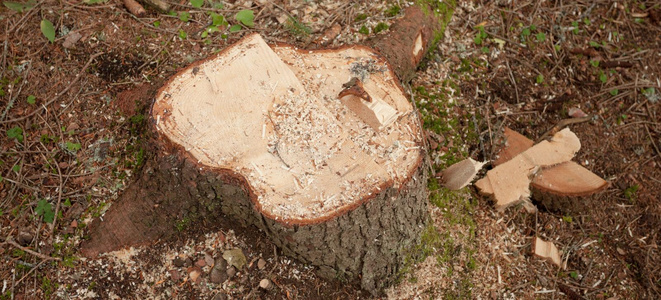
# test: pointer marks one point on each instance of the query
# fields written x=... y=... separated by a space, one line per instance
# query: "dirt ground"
x=72 y=112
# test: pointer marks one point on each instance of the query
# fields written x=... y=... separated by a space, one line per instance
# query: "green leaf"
x=45 y=210
x=217 y=20
x=67 y=203
x=157 y=23
x=15 y=133
x=19 y=7
x=16 y=168
x=73 y=147
x=594 y=44
x=594 y=63
x=182 y=34
x=235 y=28
x=614 y=92
x=485 y=50
x=603 y=77
x=31 y=99
x=477 y=40
x=541 y=37
x=184 y=16
x=246 y=17
x=48 y=30
x=525 y=32
x=197 y=3
x=540 y=79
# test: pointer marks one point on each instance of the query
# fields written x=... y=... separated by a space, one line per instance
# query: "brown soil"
x=80 y=150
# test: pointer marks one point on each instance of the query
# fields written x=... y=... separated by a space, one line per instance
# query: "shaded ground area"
x=71 y=119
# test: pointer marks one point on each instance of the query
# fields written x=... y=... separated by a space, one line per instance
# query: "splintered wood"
x=509 y=183
x=565 y=179
x=547 y=250
x=273 y=115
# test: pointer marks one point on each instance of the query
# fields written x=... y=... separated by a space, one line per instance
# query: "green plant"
x=182 y=34
x=361 y=17
x=364 y=30
x=197 y=3
x=380 y=27
x=540 y=37
x=19 y=7
x=72 y=147
x=184 y=16
x=603 y=77
x=45 y=210
x=393 y=11
x=48 y=30
x=614 y=92
x=31 y=99
x=574 y=25
x=480 y=36
x=630 y=192
x=297 y=27
x=567 y=219
x=15 y=133
x=245 y=17
x=540 y=79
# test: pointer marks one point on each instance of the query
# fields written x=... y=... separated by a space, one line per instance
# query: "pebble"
x=208 y=259
x=265 y=284
x=201 y=263
x=219 y=296
x=231 y=271
x=218 y=276
x=174 y=275
x=261 y=263
x=178 y=262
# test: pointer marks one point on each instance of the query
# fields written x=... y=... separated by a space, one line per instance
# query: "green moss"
x=440 y=9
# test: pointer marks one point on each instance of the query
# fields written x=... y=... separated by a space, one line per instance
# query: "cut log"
x=558 y=188
x=270 y=137
x=509 y=182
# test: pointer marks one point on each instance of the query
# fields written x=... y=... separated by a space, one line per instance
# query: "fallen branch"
x=135 y=8
x=10 y=240
x=562 y=124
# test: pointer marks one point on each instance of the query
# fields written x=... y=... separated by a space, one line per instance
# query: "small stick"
x=562 y=124
x=10 y=240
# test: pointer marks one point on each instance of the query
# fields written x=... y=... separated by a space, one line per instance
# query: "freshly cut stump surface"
x=319 y=149
x=274 y=117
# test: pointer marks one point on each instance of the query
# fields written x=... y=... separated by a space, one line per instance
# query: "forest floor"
x=72 y=110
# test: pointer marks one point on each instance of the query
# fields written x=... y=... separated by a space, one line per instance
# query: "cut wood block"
x=509 y=182
x=556 y=187
x=547 y=250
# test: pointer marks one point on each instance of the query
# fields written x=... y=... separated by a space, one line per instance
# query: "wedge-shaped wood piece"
x=460 y=174
x=565 y=179
x=509 y=182
x=547 y=250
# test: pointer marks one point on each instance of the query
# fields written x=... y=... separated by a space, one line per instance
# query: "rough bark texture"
x=398 y=46
x=175 y=194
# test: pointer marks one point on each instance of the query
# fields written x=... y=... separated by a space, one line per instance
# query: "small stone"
x=194 y=274
x=220 y=264
x=201 y=263
x=24 y=238
x=265 y=284
x=218 y=276
x=208 y=259
x=235 y=257
x=261 y=263
x=178 y=262
x=174 y=275
x=71 y=39
x=188 y=262
x=219 y=296
x=231 y=271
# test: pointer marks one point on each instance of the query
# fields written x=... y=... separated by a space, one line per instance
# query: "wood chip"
x=459 y=175
x=547 y=250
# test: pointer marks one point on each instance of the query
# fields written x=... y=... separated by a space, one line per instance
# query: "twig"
x=562 y=124
x=58 y=95
x=10 y=104
x=10 y=240
x=516 y=88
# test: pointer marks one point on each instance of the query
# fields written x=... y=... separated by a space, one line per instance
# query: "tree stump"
x=320 y=149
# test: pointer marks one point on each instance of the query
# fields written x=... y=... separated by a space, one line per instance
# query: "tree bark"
x=369 y=239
